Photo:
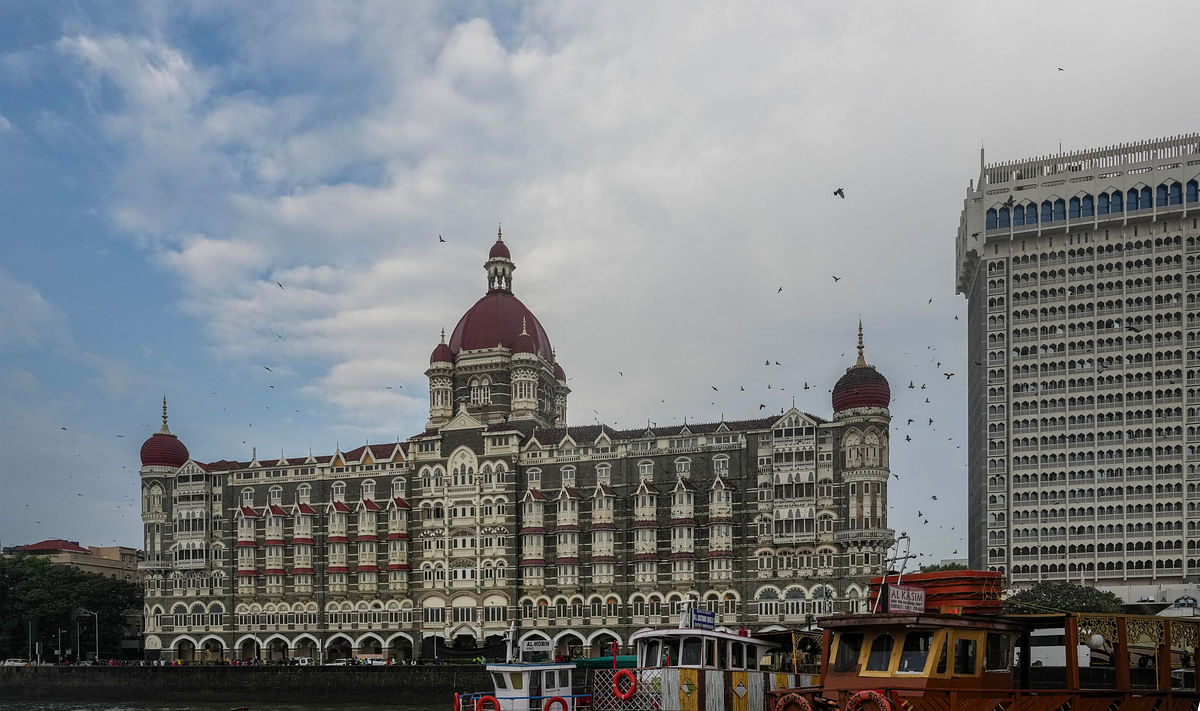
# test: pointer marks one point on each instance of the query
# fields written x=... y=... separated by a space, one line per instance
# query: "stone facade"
x=498 y=513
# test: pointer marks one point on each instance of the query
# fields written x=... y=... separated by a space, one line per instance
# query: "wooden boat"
x=690 y=668
x=923 y=661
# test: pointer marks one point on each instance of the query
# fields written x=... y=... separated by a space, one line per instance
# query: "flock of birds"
x=771 y=386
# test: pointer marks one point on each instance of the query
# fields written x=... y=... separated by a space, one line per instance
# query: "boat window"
x=848 y=648
x=751 y=656
x=564 y=678
x=881 y=653
x=995 y=654
x=691 y=652
x=498 y=678
x=739 y=656
x=916 y=651
x=964 y=656
x=549 y=680
x=710 y=652
x=650 y=654
x=670 y=653
x=941 y=667
x=722 y=655
x=516 y=680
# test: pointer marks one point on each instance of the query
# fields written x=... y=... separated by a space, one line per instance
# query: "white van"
x=304 y=661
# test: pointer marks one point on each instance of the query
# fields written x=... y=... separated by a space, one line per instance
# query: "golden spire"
x=862 y=362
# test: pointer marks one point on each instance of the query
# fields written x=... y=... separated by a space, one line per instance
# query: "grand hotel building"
x=1082 y=277
x=499 y=513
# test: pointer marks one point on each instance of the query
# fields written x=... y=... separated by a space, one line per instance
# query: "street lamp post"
x=96 y=619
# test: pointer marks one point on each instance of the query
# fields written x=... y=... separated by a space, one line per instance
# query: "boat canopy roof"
x=676 y=633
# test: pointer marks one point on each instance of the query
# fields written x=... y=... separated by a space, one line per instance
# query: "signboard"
x=703 y=619
x=903 y=598
x=536 y=645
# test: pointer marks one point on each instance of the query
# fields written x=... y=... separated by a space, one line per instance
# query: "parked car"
x=340 y=663
x=375 y=662
x=304 y=661
x=14 y=662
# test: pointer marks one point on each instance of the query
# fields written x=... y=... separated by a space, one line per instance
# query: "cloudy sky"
x=660 y=170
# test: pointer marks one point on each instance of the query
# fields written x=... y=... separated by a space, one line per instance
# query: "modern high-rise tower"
x=1082 y=276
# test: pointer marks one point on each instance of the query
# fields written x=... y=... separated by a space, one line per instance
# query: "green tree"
x=1062 y=597
x=939 y=567
x=38 y=598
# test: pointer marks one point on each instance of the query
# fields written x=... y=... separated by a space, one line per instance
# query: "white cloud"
x=5 y=124
x=661 y=170
x=27 y=318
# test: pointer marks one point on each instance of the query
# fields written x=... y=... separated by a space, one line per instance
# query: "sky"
x=194 y=192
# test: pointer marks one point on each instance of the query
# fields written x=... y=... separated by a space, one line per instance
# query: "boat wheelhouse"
x=940 y=662
x=690 y=668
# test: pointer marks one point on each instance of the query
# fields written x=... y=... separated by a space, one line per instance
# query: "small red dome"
x=861 y=386
x=441 y=354
x=499 y=251
x=525 y=344
x=559 y=373
x=497 y=320
x=163 y=449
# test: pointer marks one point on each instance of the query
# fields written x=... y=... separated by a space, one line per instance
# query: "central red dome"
x=497 y=319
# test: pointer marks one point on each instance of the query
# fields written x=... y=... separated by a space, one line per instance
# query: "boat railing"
x=647 y=692
x=969 y=699
x=578 y=702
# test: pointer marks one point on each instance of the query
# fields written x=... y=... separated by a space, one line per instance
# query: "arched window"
x=1117 y=204
x=991 y=219
x=1047 y=211
x=1193 y=191
x=1031 y=216
x=1087 y=206
x=1131 y=199
x=1060 y=209
x=1073 y=208
x=481 y=390
x=1002 y=217
x=1102 y=204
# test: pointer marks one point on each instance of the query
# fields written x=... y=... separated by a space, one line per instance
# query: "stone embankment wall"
x=410 y=685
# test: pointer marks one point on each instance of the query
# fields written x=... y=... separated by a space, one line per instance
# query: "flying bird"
x=620 y=374
x=907 y=438
x=780 y=290
x=910 y=420
x=441 y=238
x=910 y=385
x=933 y=498
x=930 y=300
x=836 y=279
x=806 y=385
x=268 y=369
x=930 y=422
x=948 y=375
x=279 y=285
x=761 y=406
x=840 y=193
x=714 y=387
x=1060 y=69
x=64 y=429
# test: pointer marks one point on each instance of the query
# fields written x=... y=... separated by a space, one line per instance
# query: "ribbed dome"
x=861 y=386
x=442 y=353
x=163 y=449
x=497 y=320
x=499 y=251
x=560 y=374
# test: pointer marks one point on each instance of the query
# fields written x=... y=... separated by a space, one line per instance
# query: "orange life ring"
x=556 y=700
x=860 y=700
x=616 y=684
x=489 y=699
x=792 y=702
x=457 y=702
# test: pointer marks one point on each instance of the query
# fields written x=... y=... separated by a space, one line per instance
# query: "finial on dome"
x=862 y=362
x=524 y=327
x=164 y=429
x=499 y=232
x=443 y=335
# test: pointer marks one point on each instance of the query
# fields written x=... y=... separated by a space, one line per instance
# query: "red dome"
x=559 y=373
x=525 y=343
x=499 y=251
x=861 y=386
x=441 y=354
x=497 y=319
x=163 y=449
